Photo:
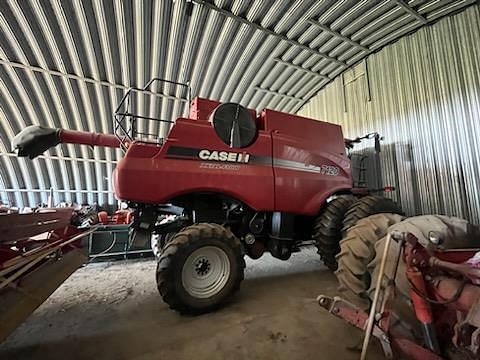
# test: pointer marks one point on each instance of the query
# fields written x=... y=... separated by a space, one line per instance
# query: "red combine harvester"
x=442 y=286
x=226 y=182
x=38 y=252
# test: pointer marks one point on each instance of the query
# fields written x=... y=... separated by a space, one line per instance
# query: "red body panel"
x=158 y=179
x=294 y=164
x=316 y=151
x=202 y=108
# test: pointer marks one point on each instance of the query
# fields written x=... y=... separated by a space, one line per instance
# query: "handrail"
x=125 y=121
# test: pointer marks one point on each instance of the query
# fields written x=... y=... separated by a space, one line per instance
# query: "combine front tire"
x=328 y=229
x=366 y=206
x=200 y=268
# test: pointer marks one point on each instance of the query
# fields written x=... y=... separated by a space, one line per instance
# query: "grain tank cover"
x=234 y=125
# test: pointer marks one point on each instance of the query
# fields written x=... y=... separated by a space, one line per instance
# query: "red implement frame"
x=436 y=293
x=359 y=318
x=38 y=252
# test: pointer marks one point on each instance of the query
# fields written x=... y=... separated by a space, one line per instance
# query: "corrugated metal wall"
x=68 y=63
x=422 y=94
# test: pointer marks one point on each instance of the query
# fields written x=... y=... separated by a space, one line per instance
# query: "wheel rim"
x=205 y=272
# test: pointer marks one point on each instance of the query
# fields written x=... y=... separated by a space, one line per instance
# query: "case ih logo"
x=216 y=158
x=178 y=152
x=224 y=156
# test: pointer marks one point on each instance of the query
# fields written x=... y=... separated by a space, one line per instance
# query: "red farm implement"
x=444 y=296
x=38 y=252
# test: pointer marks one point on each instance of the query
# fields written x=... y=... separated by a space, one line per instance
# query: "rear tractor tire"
x=357 y=250
x=200 y=268
x=455 y=233
x=366 y=206
x=327 y=231
x=363 y=246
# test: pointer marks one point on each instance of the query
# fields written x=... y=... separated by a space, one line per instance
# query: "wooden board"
x=22 y=226
x=35 y=288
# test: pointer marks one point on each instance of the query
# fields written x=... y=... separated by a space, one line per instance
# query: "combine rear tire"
x=357 y=250
x=158 y=241
x=366 y=206
x=156 y=244
x=200 y=268
x=328 y=229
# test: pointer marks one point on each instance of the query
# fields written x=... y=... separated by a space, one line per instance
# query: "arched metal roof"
x=68 y=63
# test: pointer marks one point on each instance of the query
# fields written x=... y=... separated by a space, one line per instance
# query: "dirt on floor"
x=113 y=311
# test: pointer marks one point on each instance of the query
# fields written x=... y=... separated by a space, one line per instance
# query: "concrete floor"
x=113 y=311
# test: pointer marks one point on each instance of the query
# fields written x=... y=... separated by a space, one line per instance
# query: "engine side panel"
x=194 y=159
x=292 y=166
x=309 y=162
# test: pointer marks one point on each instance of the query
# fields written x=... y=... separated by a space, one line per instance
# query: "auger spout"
x=35 y=140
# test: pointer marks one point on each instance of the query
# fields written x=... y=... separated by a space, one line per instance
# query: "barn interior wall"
x=422 y=93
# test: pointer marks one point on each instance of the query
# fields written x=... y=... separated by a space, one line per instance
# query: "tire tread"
x=182 y=240
x=327 y=229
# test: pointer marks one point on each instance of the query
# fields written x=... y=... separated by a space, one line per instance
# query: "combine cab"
x=223 y=183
